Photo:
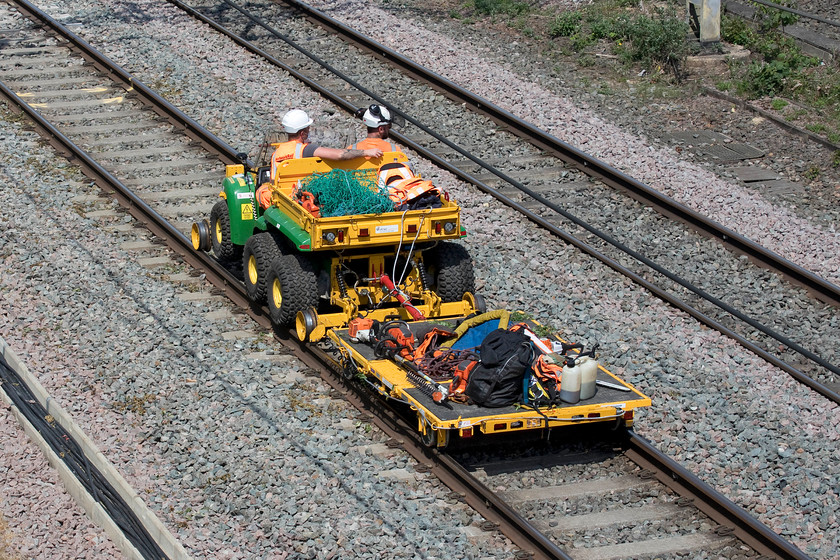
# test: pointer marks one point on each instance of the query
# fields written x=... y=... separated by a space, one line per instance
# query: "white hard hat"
x=377 y=115
x=295 y=120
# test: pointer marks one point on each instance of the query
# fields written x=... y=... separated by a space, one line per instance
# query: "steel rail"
x=821 y=288
x=798 y=12
x=453 y=475
x=132 y=86
x=449 y=166
x=711 y=502
x=136 y=206
x=450 y=472
x=445 y=468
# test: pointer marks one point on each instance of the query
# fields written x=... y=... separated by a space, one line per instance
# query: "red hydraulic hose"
x=401 y=297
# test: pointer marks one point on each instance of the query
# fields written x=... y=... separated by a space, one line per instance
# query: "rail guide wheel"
x=432 y=438
x=200 y=236
x=306 y=325
x=478 y=303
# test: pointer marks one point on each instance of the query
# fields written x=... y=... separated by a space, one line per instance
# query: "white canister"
x=588 y=374
x=570 y=382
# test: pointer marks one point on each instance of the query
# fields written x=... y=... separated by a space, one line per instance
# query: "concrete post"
x=704 y=18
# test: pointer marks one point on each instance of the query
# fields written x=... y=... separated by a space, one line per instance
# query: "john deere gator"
x=325 y=270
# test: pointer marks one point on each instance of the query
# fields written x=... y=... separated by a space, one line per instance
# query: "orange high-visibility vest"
x=370 y=143
x=394 y=171
x=405 y=190
x=286 y=150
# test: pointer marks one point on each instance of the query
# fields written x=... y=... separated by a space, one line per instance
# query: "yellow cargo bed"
x=614 y=404
x=360 y=231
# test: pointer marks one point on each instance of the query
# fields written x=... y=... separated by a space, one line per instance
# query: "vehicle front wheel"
x=291 y=286
x=259 y=252
x=223 y=247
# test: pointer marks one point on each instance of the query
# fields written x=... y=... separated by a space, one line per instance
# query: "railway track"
x=95 y=107
x=567 y=192
x=611 y=499
x=817 y=28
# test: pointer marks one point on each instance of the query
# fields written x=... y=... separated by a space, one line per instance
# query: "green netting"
x=343 y=193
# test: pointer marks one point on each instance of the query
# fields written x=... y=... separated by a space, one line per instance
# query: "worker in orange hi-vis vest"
x=296 y=124
x=379 y=120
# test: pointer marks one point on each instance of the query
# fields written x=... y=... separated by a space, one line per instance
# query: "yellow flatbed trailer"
x=615 y=400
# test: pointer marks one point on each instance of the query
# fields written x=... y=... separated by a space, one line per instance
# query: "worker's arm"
x=340 y=153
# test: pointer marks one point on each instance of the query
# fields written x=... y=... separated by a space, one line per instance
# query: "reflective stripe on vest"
x=394 y=171
x=286 y=150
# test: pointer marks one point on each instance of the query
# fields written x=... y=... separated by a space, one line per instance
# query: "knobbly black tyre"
x=291 y=286
x=223 y=247
x=260 y=251
x=453 y=271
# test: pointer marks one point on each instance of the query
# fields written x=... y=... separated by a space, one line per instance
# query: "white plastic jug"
x=588 y=373
x=570 y=382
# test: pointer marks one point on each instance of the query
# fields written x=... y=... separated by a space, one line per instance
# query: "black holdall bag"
x=497 y=379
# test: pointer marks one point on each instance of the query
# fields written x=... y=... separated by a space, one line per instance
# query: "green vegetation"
x=501 y=7
x=566 y=24
x=780 y=68
x=651 y=40
x=642 y=35
x=772 y=18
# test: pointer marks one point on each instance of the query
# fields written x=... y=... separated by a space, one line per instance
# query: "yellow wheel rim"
x=253 y=275
x=276 y=293
x=218 y=233
x=195 y=237
x=300 y=326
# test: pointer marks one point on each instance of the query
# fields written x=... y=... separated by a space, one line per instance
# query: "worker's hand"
x=373 y=152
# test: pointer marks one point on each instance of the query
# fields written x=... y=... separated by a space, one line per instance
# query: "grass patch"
x=644 y=35
x=796 y=115
x=501 y=7
x=652 y=40
x=771 y=18
x=779 y=67
x=566 y=24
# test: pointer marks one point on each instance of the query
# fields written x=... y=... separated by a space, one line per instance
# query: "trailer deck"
x=436 y=421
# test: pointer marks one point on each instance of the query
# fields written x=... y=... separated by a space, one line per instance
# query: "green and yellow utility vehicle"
x=323 y=271
x=377 y=287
